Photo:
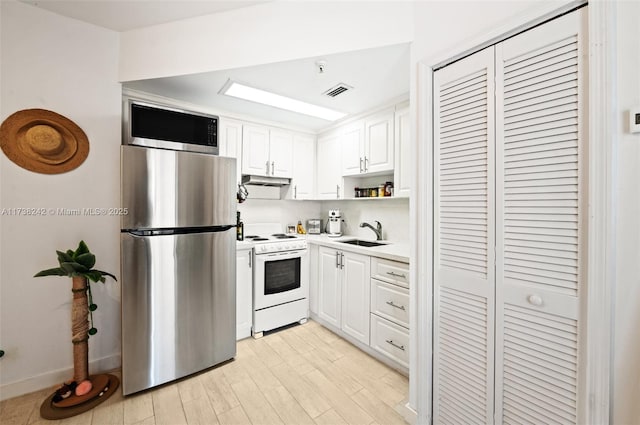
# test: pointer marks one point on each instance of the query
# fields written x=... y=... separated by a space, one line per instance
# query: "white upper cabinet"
x=255 y=150
x=304 y=169
x=367 y=145
x=378 y=146
x=267 y=152
x=352 y=142
x=230 y=140
x=402 y=169
x=281 y=153
x=329 y=160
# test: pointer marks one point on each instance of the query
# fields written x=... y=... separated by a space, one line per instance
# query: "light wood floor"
x=301 y=375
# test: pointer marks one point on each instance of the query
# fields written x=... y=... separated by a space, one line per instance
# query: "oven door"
x=280 y=277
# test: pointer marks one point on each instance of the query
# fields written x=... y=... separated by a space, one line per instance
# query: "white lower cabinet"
x=390 y=309
x=356 y=270
x=390 y=302
x=364 y=298
x=329 y=294
x=244 y=293
x=343 y=291
x=390 y=339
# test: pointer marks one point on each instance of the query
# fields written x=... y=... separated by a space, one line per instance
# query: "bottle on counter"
x=300 y=229
x=239 y=227
x=388 y=189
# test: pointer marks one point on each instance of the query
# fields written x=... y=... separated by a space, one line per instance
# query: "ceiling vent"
x=336 y=90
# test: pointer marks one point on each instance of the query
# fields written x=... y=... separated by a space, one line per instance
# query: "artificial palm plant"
x=78 y=265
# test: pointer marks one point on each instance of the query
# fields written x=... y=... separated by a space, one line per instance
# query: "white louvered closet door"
x=540 y=158
x=464 y=236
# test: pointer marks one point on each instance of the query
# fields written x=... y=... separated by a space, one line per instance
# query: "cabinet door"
x=329 y=179
x=379 y=150
x=356 y=290
x=352 y=144
x=540 y=221
x=244 y=293
x=314 y=267
x=255 y=150
x=464 y=240
x=231 y=142
x=281 y=153
x=403 y=160
x=304 y=170
x=329 y=291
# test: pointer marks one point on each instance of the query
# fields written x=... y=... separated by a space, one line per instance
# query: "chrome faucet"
x=377 y=230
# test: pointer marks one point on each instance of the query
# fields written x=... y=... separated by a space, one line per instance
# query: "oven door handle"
x=281 y=255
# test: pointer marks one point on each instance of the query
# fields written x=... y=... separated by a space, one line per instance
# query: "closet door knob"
x=535 y=300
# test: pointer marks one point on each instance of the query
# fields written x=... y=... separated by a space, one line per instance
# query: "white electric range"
x=280 y=277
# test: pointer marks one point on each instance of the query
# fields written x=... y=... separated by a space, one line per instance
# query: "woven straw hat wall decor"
x=43 y=141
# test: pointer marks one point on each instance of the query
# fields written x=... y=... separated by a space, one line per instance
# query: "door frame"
x=595 y=406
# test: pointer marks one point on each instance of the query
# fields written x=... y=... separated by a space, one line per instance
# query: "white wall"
x=626 y=372
x=440 y=27
x=393 y=214
x=69 y=67
x=266 y=33
x=283 y=212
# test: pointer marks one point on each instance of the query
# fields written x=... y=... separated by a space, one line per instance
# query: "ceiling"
x=125 y=15
x=377 y=76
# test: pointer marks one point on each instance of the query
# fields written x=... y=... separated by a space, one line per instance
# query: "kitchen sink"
x=363 y=243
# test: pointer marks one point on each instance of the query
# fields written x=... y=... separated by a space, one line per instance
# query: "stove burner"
x=251 y=237
x=278 y=234
x=284 y=237
x=257 y=238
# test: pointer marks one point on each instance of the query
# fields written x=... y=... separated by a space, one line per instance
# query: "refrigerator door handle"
x=178 y=230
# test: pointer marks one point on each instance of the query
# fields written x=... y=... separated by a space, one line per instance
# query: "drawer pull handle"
x=390 y=341
x=397 y=275
x=401 y=307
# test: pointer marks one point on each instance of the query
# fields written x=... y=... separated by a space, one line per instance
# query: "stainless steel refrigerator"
x=178 y=264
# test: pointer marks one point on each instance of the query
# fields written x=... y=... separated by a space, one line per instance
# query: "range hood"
x=265 y=181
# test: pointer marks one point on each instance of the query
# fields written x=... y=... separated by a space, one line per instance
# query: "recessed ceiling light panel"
x=241 y=91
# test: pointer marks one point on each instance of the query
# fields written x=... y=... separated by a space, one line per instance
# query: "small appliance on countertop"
x=314 y=226
x=335 y=224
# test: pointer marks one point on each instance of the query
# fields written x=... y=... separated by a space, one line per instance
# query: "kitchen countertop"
x=396 y=251
x=244 y=245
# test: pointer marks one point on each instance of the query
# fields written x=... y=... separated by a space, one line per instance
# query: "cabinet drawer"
x=390 y=271
x=390 y=339
x=390 y=302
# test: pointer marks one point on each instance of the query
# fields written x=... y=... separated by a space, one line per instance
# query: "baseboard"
x=53 y=378
x=409 y=415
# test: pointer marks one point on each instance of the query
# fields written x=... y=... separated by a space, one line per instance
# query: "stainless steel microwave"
x=165 y=127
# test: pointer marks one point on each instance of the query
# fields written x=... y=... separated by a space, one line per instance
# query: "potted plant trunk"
x=85 y=391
